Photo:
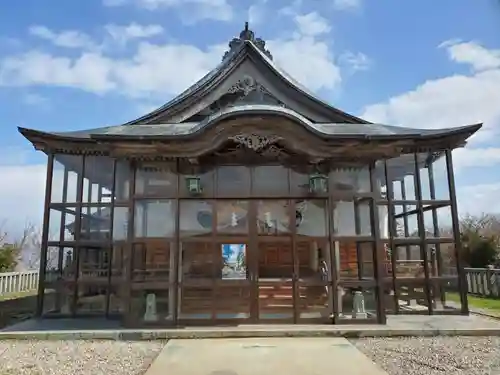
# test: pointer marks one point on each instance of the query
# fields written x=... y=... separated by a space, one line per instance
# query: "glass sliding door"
x=233 y=286
x=275 y=261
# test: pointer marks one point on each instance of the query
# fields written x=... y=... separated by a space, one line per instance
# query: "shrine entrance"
x=264 y=267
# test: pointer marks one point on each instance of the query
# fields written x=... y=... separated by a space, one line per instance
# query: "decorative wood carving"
x=246 y=91
x=255 y=142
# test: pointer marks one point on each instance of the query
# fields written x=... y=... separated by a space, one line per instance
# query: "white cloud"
x=35 y=100
x=318 y=71
x=473 y=54
x=114 y=3
x=123 y=34
x=447 y=102
x=478 y=199
x=196 y=10
x=257 y=13
x=346 y=4
x=66 y=39
x=355 y=61
x=312 y=24
x=168 y=69
x=22 y=198
x=476 y=157
x=90 y=71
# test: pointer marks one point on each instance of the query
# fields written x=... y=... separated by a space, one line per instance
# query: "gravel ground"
x=432 y=356
x=77 y=357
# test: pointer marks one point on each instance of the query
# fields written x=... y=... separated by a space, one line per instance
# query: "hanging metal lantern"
x=193 y=185
x=318 y=183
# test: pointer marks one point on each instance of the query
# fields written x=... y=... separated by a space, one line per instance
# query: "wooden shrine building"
x=247 y=199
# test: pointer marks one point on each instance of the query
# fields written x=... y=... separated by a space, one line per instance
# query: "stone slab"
x=402 y=325
x=265 y=356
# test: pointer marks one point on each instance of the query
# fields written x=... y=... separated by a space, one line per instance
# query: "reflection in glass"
x=151 y=261
x=357 y=303
x=270 y=180
x=343 y=218
x=232 y=217
x=196 y=218
x=233 y=181
x=350 y=180
x=122 y=181
x=311 y=218
x=234 y=261
x=152 y=306
x=65 y=178
x=97 y=179
x=156 y=179
x=198 y=261
x=273 y=217
x=154 y=218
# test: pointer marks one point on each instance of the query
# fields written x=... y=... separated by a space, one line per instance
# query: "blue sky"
x=68 y=65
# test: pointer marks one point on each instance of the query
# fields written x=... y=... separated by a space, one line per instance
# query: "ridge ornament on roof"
x=247 y=35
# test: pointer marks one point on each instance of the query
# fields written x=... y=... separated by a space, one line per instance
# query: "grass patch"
x=477 y=302
x=9 y=296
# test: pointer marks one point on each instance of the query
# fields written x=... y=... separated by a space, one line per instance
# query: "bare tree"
x=486 y=225
x=27 y=245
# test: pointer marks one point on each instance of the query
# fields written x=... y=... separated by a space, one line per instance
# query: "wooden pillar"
x=392 y=233
x=45 y=236
x=359 y=251
x=421 y=231
x=128 y=248
x=379 y=250
x=176 y=265
x=77 y=234
x=111 y=235
x=462 y=283
x=60 y=255
x=435 y=224
x=405 y=217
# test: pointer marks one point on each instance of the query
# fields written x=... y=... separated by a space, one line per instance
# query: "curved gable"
x=246 y=57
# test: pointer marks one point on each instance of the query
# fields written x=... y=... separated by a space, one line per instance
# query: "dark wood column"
x=129 y=248
x=111 y=235
x=435 y=223
x=45 y=236
x=177 y=248
x=379 y=250
x=405 y=217
x=421 y=231
x=77 y=233
x=392 y=233
x=62 y=229
x=462 y=284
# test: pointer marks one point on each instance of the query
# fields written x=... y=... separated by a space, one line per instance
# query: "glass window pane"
x=98 y=179
x=120 y=223
x=232 y=217
x=311 y=218
x=273 y=217
x=65 y=178
x=440 y=177
x=233 y=181
x=156 y=179
x=355 y=180
x=270 y=180
x=122 y=182
x=196 y=218
x=154 y=218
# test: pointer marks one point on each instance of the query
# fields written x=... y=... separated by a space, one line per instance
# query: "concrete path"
x=266 y=356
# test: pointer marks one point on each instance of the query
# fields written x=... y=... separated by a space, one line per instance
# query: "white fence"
x=483 y=282
x=16 y=282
